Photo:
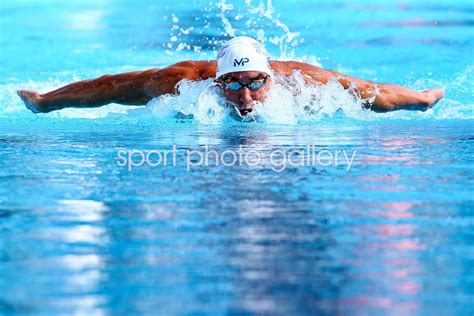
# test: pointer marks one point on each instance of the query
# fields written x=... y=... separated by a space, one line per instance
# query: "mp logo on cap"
x=240 y=62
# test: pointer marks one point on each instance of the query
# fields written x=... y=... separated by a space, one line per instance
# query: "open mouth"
x=244 y=112
x=243 y=115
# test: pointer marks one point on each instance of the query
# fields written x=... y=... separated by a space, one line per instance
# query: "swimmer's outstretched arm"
x=391 y=97
x=388 y=97
x=132 y=88
x=125 y=88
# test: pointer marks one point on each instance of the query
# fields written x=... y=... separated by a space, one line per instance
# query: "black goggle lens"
x=237 y=85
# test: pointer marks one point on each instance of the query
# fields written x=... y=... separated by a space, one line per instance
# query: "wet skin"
x=244 y=99
x=139 y=87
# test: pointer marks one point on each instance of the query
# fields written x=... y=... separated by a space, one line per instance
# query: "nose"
x=246 y=101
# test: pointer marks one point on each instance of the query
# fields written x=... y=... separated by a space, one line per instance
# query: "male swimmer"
x=242 y=70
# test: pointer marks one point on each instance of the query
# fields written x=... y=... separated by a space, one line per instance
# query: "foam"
x=200 y=100
x=290 y=101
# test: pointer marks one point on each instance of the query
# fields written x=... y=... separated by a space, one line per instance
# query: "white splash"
x=291 y=100
x=200 y=100
x=251 y=18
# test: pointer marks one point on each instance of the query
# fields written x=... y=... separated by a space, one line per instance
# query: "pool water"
x=391 y=233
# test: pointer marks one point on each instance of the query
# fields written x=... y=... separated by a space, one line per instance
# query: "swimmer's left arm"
x=384 y=97
x=390 y=97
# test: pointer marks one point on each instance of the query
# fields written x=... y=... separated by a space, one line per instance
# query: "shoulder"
x=310 y=72
x=164 y=80
x=193 y=69
x=287 y=67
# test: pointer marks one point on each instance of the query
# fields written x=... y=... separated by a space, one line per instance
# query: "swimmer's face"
x=244 y=98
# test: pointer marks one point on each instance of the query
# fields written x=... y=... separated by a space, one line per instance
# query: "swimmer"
x=242 y=70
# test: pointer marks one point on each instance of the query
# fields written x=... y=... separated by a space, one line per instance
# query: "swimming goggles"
x=236 y=85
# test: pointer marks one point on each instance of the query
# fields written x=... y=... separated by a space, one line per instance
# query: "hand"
x=32 y=100
x=433 y=96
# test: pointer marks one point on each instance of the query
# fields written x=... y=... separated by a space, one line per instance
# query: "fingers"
x=26 y=94
x=433 y=96
x=436 y=93
x=21 y=93
x=29 y=97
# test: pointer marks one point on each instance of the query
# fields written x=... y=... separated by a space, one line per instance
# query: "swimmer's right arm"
x=125 y=88
x=132 y=88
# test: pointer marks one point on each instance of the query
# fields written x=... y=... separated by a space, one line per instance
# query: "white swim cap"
x=242 y=53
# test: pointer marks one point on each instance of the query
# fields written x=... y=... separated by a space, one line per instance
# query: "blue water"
x=393 y=235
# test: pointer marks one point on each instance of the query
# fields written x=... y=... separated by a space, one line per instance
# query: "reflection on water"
x=392 y=250
x=78 y=235
x=236 y=239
